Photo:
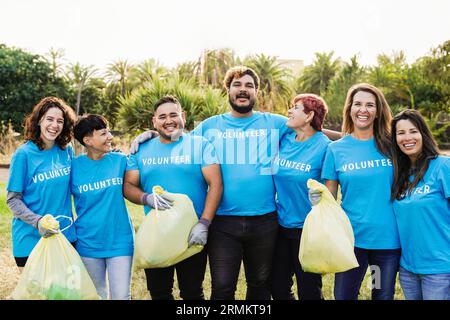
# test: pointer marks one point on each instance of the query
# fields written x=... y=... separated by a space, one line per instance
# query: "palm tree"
x=274 y=90
x=148 y=71
x=317 y=77
x=79 y=76
x=186 y=71
x=53 y=58
x=212 y=66
x=346 y=76
x=119 y=72
x=391 y=76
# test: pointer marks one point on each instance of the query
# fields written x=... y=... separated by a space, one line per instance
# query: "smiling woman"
x=352 y=162
x=421 y=193
x=40 y=174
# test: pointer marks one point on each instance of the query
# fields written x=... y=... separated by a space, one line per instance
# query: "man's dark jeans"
x=190 y=275
x=236 y=239
x=286 y=263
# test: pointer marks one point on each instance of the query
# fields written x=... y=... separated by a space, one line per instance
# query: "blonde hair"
x=382 y=123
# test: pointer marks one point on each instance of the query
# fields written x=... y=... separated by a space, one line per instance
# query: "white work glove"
x=147 y=135
x=159 y=202
x=199 y=233
x=44 y=232
x=314 y=196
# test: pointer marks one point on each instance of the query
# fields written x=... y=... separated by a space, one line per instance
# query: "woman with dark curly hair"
x=40 y=176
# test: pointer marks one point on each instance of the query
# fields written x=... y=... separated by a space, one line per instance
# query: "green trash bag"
x=327 y=242
x=54 y=271
x=162 y=238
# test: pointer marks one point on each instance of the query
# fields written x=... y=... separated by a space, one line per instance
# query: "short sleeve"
x=132 y=162
x=18 y=172
x=198 y=130
x=329 y=166
x=443 y=177
x=209 y=155
x=70 y=151
x=280 y=124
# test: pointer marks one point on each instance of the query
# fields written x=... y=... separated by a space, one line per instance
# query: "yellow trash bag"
x=54 y=270
x=162 y=238
x=327 y=242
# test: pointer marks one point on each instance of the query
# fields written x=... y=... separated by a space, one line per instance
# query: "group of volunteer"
x=241 y=181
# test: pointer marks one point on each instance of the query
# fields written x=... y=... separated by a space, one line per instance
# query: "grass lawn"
x=9 y=273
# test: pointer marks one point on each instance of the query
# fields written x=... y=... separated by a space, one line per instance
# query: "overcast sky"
x=99 y=32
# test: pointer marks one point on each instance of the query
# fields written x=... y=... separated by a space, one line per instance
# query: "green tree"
x=317 y=77
x=54 y=58
x=119 y=73
x=391 y=76
x=274 y=90
x=349 y=74
x=136 y=108
x=212 y=66
x=186 y=71
x=147 y=71
x=24 y=79
x=79 y=77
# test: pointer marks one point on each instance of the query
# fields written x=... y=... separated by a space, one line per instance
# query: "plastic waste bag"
x=54 y=270
x=162 y=238
x=327 y=242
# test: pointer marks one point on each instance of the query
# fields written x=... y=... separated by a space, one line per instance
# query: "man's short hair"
x=166 y=99
x=86 y=125
x=238 y=72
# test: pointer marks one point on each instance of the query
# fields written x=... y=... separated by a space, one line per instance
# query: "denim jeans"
x=425 y=286
x=119 y=276
x=286 y=263
x=384 y=265
x=236 y=239
x=190 y=275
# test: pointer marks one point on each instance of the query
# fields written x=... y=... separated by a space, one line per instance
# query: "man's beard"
x=243 y=109
x=175 y=136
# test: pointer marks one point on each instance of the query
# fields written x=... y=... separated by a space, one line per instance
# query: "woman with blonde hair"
x=360 y=163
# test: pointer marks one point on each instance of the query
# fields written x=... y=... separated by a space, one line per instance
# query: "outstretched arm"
x=332 y=135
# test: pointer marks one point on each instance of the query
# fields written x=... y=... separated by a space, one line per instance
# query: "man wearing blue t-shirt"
x=179 y=163
x=245 y=226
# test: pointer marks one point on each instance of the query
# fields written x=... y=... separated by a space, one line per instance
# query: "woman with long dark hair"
x=421 y=193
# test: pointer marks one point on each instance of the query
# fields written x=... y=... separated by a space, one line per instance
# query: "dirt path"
x=4 y=175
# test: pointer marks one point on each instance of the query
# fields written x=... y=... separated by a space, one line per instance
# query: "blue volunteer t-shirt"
x=43 y=178
x=103 y=226
x=365 y=176
x=245 y=148
x=176 y=167
x=423 y=219
x=296 y=163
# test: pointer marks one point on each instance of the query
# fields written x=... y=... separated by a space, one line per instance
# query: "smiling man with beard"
x=245 y=226
x=179 y=163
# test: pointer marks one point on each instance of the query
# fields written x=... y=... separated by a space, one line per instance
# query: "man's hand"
x=199 y=233
x=147 y=135
x=149 y=200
